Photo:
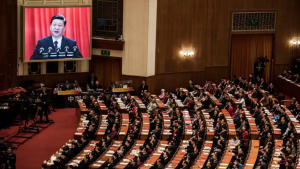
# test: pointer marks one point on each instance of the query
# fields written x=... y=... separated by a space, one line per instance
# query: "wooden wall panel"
x=8 y=39
x=151 y=81
x=208 y=31
x=181 y=25
x=107 y=69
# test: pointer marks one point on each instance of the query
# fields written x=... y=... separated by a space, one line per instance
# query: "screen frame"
x=57 y=6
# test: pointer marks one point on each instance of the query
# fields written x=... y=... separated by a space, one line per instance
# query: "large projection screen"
x=56 y=33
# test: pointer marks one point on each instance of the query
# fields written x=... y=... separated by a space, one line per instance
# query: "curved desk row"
x=79 y=157
x=106 y=155
x=203 y=155
x=252 y=154
x=102 y=127
x=155 y=155
x=130 y=154
x=124 y=126
x=178 y=156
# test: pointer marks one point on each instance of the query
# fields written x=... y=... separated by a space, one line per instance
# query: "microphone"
x=75 y=48
x=57 y=50
x=41 y=50
x=67 y=49
x=49 y=49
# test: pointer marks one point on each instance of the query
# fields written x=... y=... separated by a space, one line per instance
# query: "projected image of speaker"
x=55 y=33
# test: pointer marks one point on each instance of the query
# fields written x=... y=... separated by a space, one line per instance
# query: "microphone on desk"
x=57 y=50
x=49 y=49
x=41 y=50
x=75 y=48
x=67 y=49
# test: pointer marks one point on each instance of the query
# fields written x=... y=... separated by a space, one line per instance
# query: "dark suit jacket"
x=282 y=126
x=142 y=88
x=272 y=90
x=94 y=81
x=12 y=160
x=48 y=42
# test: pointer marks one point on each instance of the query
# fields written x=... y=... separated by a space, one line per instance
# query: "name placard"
x=70 y=92
x=129 y=89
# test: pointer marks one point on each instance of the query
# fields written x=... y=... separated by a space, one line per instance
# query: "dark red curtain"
x=245 y=49
x=37 y=26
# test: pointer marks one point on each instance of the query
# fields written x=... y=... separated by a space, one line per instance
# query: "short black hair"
x=60 y=17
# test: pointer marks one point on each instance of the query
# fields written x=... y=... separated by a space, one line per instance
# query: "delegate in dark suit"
x=48 y=42
x=143 y=88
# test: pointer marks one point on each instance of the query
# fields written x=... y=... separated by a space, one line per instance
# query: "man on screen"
x=56 y=42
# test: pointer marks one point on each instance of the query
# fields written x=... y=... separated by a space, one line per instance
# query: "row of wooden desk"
x=155 y=155
x=122 y=106
x=188 y=128
x=178 y=156
x=102 y=107
x=161 y=105
x=82 y=126
x=130 y=155
x=180 y=105
x=80 y=109
x=230 y=123
x=227 y=156
x=142 y=106
x=275 y=156
x=115 y=145
x=145 y=127
x=102 y=127
x=253 y=128
x=294 y=121
x=214 y=100
x=166 y=132
x=51 y=160
x=210 y=131
x=86 y=151
x=298 y=159
x=124 y=126
x=252 y=154
x=203 y=155
x=275 y=129
x=287 y=87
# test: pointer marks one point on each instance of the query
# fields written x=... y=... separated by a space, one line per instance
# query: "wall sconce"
x=187 y=53
x=296 y=41
x=293 y=42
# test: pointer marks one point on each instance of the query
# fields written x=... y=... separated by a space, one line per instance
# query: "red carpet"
x=32 y=153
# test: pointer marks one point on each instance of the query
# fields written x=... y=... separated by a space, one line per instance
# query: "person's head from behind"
x=159 y=162
x=58 y=26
